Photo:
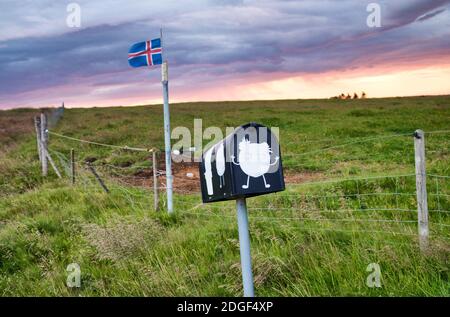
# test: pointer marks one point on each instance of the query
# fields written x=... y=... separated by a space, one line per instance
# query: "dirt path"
x=187 y=177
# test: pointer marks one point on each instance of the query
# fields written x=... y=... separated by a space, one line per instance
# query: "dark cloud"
x=226 y=39
x=401 y=13
x=430 y=15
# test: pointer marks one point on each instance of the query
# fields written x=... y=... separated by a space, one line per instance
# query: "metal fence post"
x=72 y=166
x=44 y=144
x=155 y=181
x=37 y=127
x=421 y=188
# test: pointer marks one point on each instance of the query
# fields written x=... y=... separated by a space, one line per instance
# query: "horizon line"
x=218 y=101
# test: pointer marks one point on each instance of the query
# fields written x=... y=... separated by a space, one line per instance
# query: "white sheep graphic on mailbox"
x=254 y=160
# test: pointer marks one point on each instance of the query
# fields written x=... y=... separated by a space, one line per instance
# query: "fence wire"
x=128 y=188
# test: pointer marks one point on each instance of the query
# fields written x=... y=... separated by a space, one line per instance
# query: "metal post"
x=165 y=83
x=37 y=127
x=155 y=182
x=244 y=246
x=44 y=144
x=421 y=188
x=72 y=165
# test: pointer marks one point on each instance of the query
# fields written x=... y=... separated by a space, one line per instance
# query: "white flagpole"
x=165 y=84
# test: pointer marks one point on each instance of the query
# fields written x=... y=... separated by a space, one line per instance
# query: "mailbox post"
x=246 y=163
x=244 y=247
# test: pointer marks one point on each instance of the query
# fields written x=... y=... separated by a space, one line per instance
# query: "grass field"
x=350 y=201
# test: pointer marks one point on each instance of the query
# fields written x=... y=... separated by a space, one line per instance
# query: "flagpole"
x=169 y=179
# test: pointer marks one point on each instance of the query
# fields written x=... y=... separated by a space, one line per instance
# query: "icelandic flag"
x=146 y=53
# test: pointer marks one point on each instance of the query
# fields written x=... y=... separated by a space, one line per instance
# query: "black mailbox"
x=246 y=163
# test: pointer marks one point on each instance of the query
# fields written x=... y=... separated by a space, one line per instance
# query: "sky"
x=221 y=50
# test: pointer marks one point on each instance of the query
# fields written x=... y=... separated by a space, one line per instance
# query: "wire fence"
x=120 y=147
x=382 y=204
x=394 y=208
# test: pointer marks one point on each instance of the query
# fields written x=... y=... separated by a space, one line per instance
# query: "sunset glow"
x=238 y=50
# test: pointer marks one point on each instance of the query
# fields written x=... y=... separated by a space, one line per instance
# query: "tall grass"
x=315 y=239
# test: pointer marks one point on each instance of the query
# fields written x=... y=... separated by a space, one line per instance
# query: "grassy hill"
x=350 y=201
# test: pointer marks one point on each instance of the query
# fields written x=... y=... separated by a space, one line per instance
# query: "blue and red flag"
x=146 y=53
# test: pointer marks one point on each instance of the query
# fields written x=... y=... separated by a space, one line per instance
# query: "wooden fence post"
x=100 y=181
x=53 y=165
x=72 y=166
x=155 y=181
x=45 y=156
x=44 y=144
x=37 y=127
x=421 y=188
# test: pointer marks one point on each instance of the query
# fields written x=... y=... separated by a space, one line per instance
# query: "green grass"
x=315 y=239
